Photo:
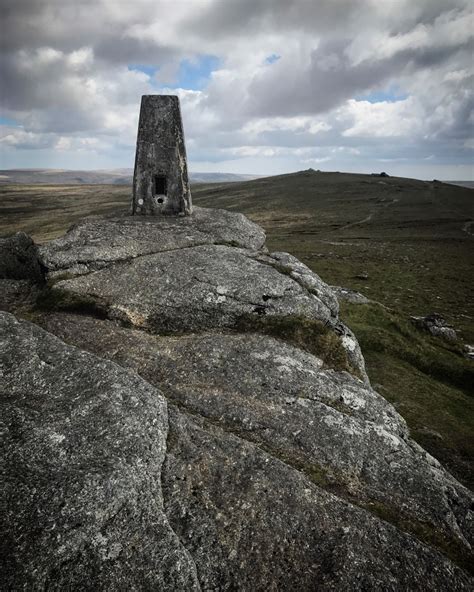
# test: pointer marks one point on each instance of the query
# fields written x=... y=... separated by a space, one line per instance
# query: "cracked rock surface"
x=109 y=486
x=196 y=288
x=155 y=441
x=98 y=242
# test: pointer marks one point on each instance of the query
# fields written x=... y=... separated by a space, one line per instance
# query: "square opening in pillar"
x=160 y=185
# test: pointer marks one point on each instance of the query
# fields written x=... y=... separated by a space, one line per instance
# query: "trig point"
x=160 y=180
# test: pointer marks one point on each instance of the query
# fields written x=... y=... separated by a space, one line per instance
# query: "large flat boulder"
x=187 y=274
x=196 y=288
x=95 y=243
x=211 y=287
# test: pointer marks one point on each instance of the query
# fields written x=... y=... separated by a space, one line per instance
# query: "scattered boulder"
x=348 y=295
x=469 y=351
x=435 y=324
x=19 y=259
x=363 y=275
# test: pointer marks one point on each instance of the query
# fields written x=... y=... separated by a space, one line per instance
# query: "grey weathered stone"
x=253 y=523
x=83 y=445
x=18 y=294
x=21 y=274
x=348 y=295
x=98 y=242
x=352 y=347
x=160 y=181
x=310 y=281
x=19 y=258
x=436 y=325
x=328 y=424
x=137 y=494
x=204 y=288
x=302 y=274
x=194 y=289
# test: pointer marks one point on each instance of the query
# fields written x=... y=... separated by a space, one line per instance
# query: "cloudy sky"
x=266 y=86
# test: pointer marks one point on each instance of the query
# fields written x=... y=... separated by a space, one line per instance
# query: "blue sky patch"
x=195 y=74
x=8 y=121
x=146 y=69
x=391 y=94
x=271 y=59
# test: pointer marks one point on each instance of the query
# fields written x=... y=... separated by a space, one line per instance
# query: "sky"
x=266 y=86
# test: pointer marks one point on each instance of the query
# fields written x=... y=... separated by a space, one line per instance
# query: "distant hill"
x=469 y=184
x=349 y=205
x=220 y=177
x=100 y=177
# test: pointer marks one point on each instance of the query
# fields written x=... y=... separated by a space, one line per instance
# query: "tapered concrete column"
x=160 y=181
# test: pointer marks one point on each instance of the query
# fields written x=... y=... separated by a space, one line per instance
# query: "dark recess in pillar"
x=160 y=181
x=160 y=185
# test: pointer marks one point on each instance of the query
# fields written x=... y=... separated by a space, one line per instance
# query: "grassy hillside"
x=413 y=241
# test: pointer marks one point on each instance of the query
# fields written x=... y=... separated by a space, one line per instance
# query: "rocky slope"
x=184 y=411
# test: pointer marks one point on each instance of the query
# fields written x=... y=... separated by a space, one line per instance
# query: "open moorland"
x=405 y=244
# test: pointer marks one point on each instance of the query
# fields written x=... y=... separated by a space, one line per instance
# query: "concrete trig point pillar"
x=160 y=180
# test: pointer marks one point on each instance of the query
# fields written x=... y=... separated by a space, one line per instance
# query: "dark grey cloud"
x=59 y=24
x=237 y=17
x=331 y=78
x=115 y=49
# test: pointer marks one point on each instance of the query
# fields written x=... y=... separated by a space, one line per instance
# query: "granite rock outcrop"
x=184 y=410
